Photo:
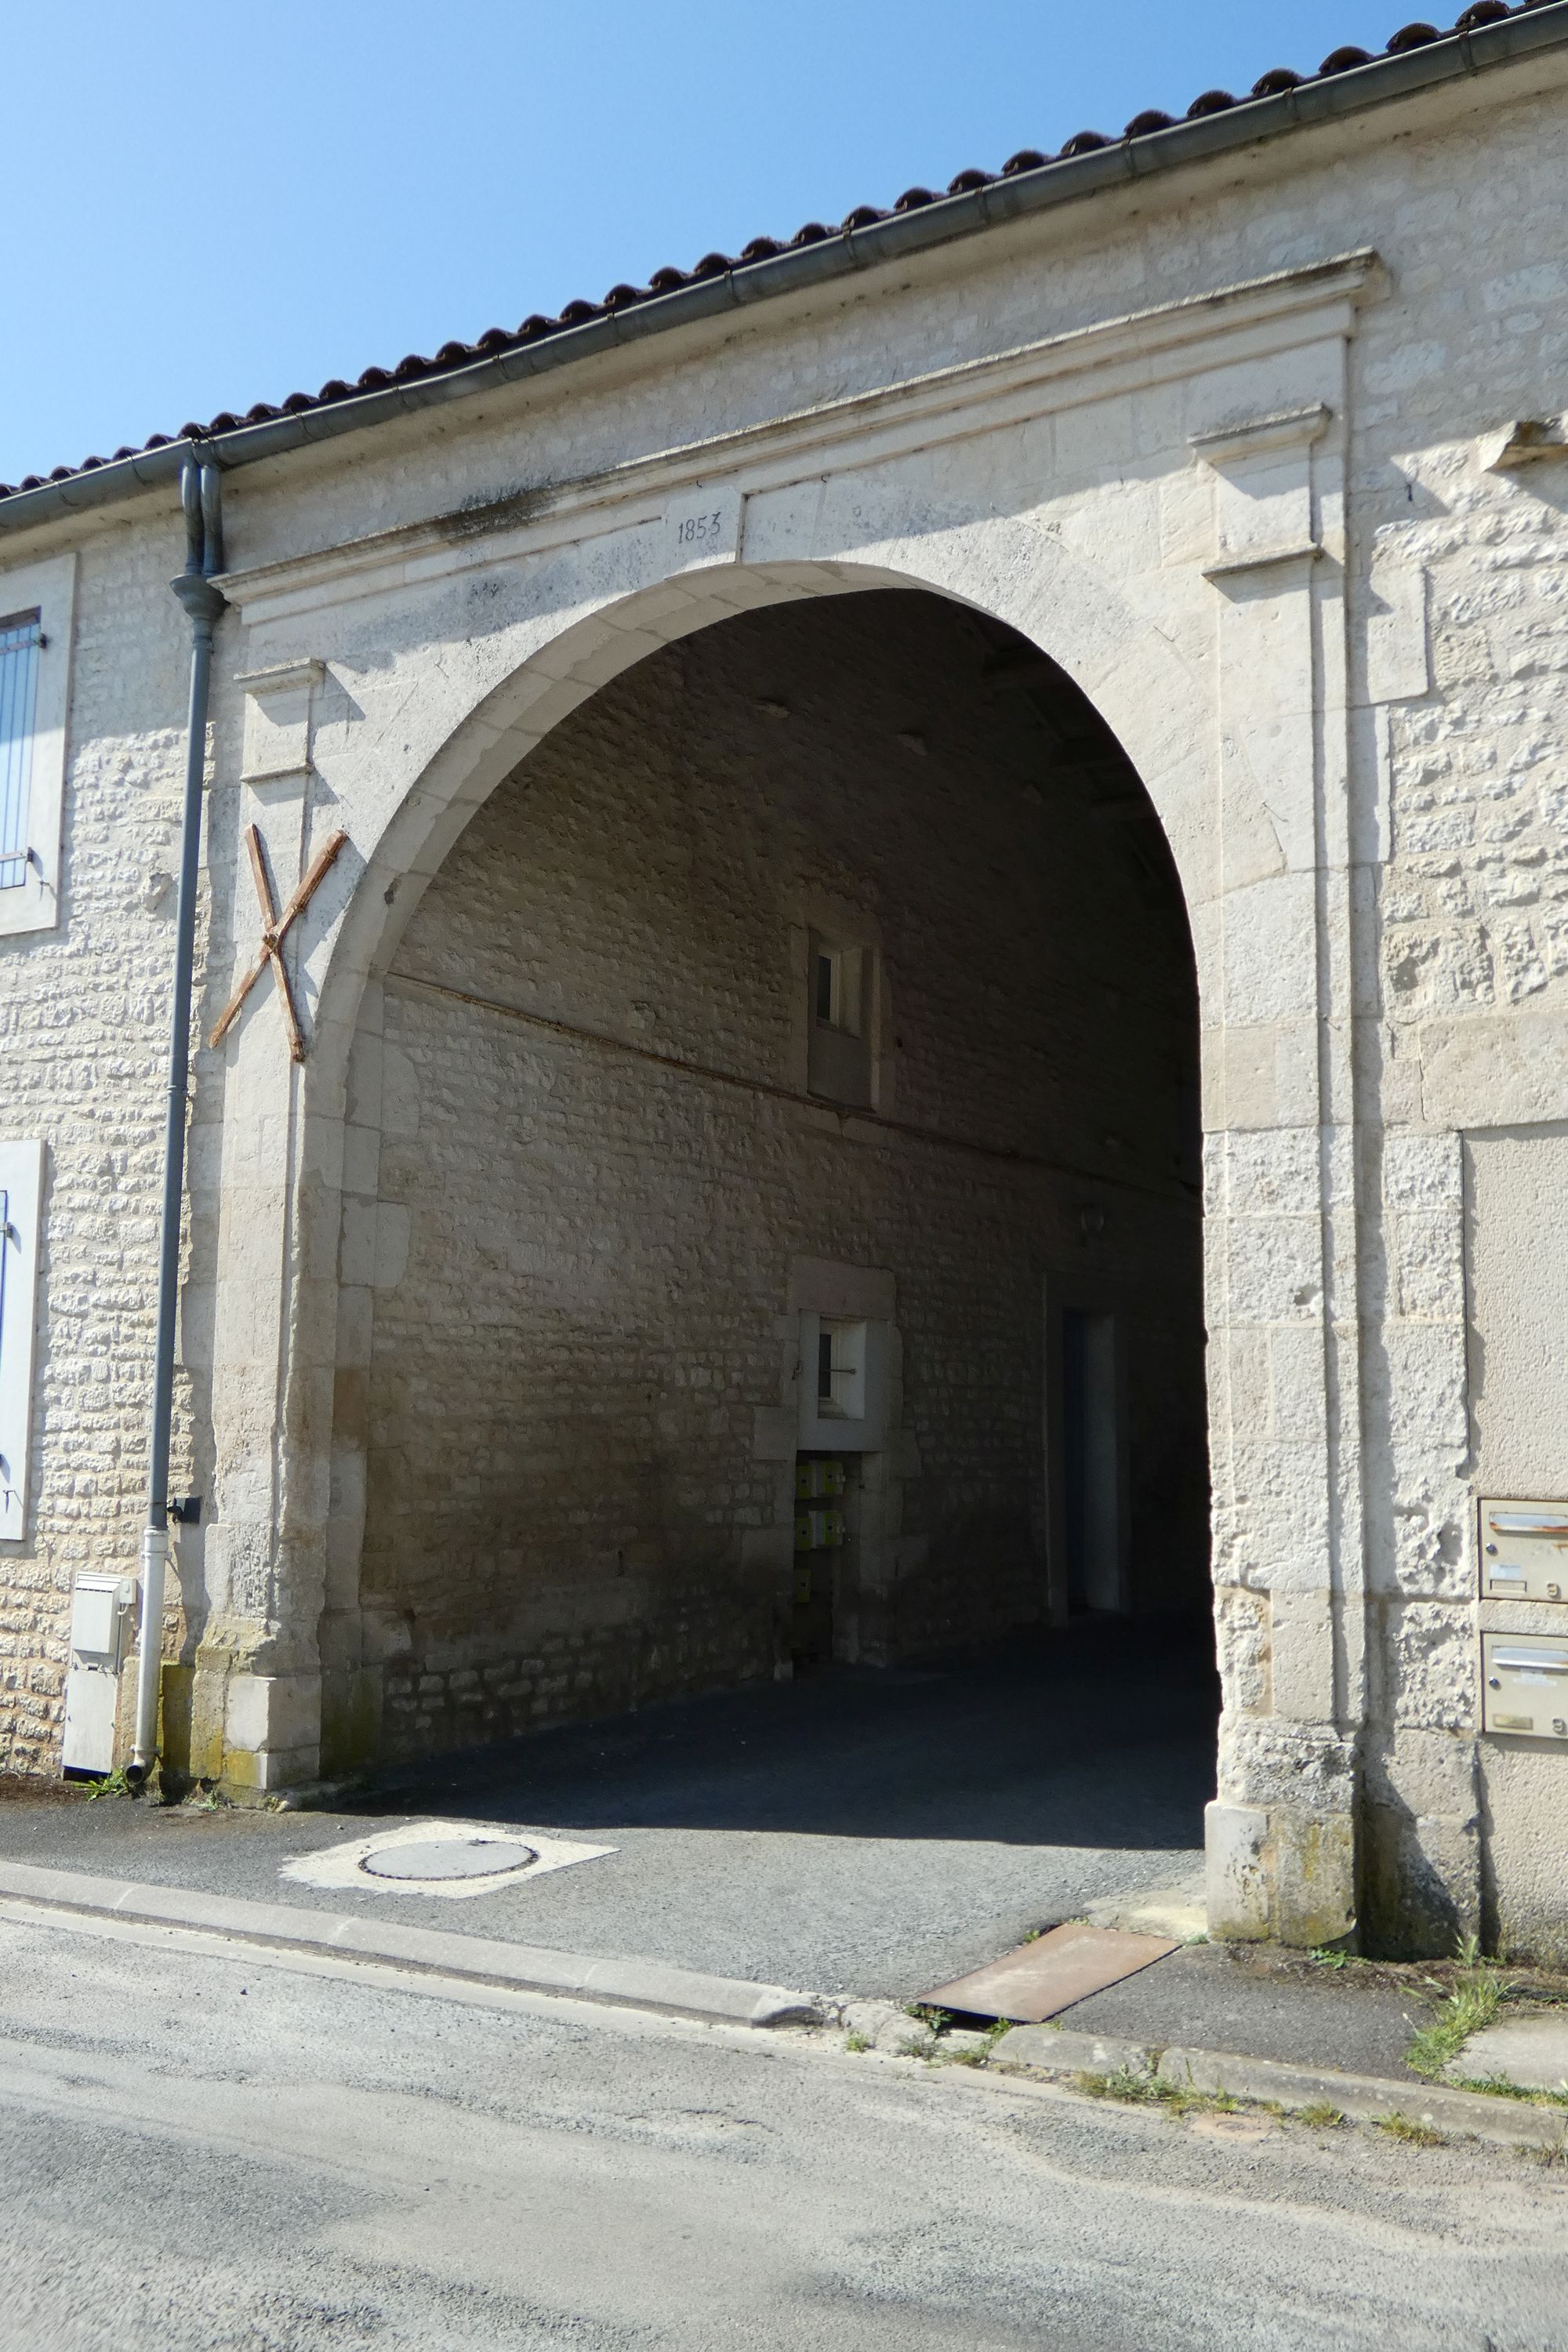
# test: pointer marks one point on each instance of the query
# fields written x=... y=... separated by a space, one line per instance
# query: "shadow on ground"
x=854 y=1833
x=1100 y=1736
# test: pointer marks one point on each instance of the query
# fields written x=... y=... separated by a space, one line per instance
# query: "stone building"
x=862 y=768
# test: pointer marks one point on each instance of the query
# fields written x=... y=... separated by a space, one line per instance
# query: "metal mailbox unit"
x=1525 y=1684
x=1524 y=1676
x=1524 y=1551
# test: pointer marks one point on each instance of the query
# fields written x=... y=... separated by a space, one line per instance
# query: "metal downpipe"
x=201 y=492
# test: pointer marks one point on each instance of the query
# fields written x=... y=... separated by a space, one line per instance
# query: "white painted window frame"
x=22 y=1194
x=47 y=588
x=864 y=1428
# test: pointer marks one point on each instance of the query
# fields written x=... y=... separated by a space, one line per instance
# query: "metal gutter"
x=1453 y=58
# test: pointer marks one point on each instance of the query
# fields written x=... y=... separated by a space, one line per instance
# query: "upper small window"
x=20 y=638
x=840 y=1053
x=838 y=988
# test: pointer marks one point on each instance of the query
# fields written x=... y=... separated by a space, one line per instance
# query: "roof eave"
x=844 y=253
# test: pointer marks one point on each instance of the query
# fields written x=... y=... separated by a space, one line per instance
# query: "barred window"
x=20 y=642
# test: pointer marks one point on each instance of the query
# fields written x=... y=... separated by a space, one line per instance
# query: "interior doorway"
x=1092 y=1509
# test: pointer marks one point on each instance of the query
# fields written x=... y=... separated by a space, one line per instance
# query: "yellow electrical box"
x=814 y=1479
x=1524 y=1685
x=1524 y=1551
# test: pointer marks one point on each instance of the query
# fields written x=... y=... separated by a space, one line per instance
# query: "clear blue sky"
x=209 y=207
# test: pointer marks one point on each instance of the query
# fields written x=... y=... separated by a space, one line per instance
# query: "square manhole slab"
x=440 y=1858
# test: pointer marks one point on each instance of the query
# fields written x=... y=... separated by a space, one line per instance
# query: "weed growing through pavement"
x=1471 y=2006
x=856 y=2042
x=1328 y=1956
x=1149 y=2090
x=113 y=1784
x=1407 y=2128
x=981 y=2057
x=1502 y=2086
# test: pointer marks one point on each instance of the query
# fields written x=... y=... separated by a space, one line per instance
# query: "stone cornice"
x=1253 y=318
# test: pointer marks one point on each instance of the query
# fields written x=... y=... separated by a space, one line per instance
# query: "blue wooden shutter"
x=20 y=642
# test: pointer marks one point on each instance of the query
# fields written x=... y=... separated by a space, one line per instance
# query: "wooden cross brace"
x=273 y=927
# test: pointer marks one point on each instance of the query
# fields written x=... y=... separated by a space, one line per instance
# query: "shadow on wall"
x=1103 y=1736
x=612 y=1133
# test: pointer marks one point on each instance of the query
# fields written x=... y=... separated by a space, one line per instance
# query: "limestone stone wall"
x=586 y=1254
x=1468 y=918
x=83 y=1055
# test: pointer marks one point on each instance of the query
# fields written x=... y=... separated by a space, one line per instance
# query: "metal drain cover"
x=449 y=1858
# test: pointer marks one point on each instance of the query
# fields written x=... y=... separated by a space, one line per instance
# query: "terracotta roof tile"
x=667 y=280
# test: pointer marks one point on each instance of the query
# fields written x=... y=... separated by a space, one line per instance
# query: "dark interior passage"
x=789 y=1090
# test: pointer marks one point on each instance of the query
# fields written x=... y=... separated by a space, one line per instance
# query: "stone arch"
x=1006 y=572
x=1158 y=707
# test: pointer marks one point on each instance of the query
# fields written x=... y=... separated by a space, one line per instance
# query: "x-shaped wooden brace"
x=273 y=927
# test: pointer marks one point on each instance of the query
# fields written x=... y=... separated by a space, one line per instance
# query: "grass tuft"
x=1471 y=2006
x=1503 y=2086
x=1151 y=2091
x=1413 y=2134
x=1321 y=2116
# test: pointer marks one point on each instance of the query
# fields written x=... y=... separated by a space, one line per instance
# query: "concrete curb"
x=1365 y=2098
x=474 y=1959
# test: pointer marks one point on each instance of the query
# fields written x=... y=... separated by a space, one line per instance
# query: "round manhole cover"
x=449 y=1858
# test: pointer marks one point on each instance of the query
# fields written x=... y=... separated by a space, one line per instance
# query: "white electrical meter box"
x=1524 y=1551
x=101 y=1618
x=1524 y=1685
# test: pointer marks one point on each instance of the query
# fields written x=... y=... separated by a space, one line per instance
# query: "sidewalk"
x=821 y=1852
x=859 y=1833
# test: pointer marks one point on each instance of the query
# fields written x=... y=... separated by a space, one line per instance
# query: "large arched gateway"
x=778 y=1017
x=805 y=784
x=789 y=1128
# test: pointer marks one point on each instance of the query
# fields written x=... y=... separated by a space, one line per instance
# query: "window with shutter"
x=21 y=1188
x=37 y=619
x=19 y=718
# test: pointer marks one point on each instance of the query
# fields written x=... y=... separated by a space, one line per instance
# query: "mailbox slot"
x=1524 y=1685
x=1524 y=1551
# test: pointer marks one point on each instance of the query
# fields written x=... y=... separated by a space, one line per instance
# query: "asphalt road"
x=218 y=2152
x=873 y=1833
